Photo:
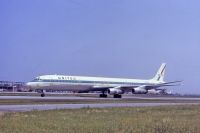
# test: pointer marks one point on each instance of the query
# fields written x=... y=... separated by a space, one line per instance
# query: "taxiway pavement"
x=97 y=98
x=30 y=107
x=23 y=108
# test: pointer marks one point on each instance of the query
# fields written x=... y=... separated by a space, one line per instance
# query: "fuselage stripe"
x=88 y=82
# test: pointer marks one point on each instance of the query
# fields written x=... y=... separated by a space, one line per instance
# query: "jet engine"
x=140 y=90
x=113 y=91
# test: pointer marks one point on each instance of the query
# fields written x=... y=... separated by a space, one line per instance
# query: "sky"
x=109 y=38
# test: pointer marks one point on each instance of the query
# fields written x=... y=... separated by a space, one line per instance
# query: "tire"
x=42 y=95
x=103 y=96
x=117 y=96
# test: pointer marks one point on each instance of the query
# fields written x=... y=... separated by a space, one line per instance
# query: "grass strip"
x=167 y=119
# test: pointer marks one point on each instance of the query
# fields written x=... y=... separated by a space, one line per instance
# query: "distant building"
x=11 y=86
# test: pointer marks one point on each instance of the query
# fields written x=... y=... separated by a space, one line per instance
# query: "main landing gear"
x=103 y=95
x=117 y=96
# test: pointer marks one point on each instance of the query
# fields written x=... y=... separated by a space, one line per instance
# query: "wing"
x=130 y=87
x=153 y=86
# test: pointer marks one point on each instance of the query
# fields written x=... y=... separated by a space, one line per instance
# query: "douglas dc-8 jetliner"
x=112 y=86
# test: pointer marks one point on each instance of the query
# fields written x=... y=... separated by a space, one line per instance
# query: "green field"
x=168 y=119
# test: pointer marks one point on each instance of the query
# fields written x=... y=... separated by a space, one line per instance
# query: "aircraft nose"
x=28 y=84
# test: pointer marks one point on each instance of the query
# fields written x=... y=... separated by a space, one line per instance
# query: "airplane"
x=112 y=86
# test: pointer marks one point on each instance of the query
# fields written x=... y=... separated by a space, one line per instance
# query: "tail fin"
x=161 y=73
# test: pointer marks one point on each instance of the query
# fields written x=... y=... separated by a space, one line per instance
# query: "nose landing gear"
x=42 y=93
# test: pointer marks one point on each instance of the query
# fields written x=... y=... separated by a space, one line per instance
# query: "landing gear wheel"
x=42 y=95
x=103 y=95
x=117 y=96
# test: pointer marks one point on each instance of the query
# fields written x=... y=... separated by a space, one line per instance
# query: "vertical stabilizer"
x=161 y=73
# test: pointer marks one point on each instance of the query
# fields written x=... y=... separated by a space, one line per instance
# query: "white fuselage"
x=81 y=83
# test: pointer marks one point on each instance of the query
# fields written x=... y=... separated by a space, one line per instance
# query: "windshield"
x=36 y=79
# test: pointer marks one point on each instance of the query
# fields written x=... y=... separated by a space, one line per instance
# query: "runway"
x=75 y=102
x=97 y=98
x=23 y=108
x=49 y=98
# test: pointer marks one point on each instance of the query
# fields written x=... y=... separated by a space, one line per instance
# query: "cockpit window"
x=36 y=79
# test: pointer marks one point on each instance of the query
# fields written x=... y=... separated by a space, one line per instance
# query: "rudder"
x=160 y=73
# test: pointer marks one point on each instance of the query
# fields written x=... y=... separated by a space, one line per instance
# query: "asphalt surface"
x=49 y=98
x=23 y=108
x=97 y=98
